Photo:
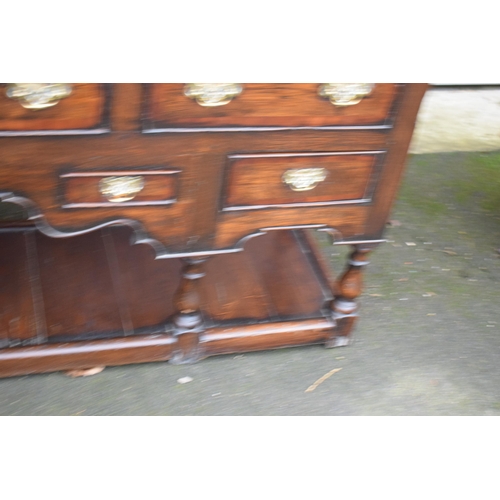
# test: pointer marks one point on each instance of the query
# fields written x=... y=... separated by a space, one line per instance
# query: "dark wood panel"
x=286 y=274
x=17 y=313
x=222 y=299
x=233 y=226
x=146 y=285
x=272 y=294
x=78 y=290
x=126 y=106
x=221 y=289
x=84 y=108
x=100 y=284
x=92 y=284
x=287 y=105
x=85 y=189
x=38 y=163
x=259 y=180
x=268 y=336
x=320 y=260
x=67 y=356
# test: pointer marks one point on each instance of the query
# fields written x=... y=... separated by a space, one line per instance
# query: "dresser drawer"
x=265 y=105
x=299 y=179
x=119 y=188
x=57 y=108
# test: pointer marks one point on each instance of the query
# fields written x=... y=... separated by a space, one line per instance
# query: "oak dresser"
x=177 y=221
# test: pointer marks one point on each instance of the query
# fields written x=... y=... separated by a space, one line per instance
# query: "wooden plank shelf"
x=96 y=299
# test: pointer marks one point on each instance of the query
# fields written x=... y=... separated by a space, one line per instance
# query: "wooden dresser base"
x=96 y=300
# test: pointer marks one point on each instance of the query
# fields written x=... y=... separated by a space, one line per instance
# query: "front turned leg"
x=344 y=306
x=188 y=321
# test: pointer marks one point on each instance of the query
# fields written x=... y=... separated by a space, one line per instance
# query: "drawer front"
x=119 y=188
x=57 y=108
x=265 y=105
x=299 y=179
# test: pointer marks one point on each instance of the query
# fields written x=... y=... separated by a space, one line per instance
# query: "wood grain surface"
x=286 y=105
x=256 y=181
x=84 y=108
x=79 y=296
x=214 y=235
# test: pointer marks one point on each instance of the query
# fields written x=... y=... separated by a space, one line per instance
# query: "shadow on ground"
x=427 y=342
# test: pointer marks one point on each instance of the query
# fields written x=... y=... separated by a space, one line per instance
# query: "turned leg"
x=188 y=321
x=344 y=306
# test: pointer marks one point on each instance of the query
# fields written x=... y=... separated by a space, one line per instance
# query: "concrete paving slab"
x=458 y=120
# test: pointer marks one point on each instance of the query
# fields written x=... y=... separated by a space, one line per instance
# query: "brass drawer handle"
x=345 y=94
x=303 y=179
x=122 y=188
x=38 y=95
x=212 y=94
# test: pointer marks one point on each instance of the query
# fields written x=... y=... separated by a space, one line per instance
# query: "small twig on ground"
x=322 y=379
x=85 y=372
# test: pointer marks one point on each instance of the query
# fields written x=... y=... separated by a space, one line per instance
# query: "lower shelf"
x=97 y=300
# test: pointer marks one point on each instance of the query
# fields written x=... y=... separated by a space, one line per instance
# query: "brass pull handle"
x=304 y=179
x=122 y=188
x=345 y=94
x=212 y=94
x=38 y=95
